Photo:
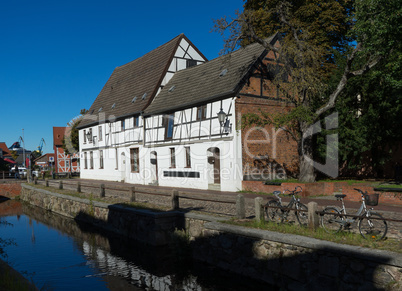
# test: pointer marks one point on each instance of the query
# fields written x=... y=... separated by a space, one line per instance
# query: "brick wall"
x=326 y=188
x=266 y=152
x=394 y=198
x=309 y=189
x=10 y=189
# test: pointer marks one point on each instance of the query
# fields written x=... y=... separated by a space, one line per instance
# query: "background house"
x=45 y=162
x=63 y=163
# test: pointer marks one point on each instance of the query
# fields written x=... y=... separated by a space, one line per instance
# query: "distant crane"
x=39 y=150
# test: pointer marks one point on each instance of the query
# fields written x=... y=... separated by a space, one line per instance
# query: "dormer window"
x=172 y=89
x=100 y=109
x=191 y=63
x=223 y=73
x=134 y=99
x=114 y=105
x=143 y=96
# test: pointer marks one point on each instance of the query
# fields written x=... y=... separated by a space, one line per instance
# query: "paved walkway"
x=120 y=194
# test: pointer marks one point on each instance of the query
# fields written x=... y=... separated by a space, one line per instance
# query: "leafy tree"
x=70 y=142
x=314 y=34
x=370 y=123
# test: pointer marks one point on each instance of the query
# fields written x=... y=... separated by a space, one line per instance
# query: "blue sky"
x=55 y=56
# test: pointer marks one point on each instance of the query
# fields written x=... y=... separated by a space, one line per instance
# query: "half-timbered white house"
x=111 y=133
x=187 y=133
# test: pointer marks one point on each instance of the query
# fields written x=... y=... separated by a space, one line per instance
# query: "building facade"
x=189 y=132
x=63 y=162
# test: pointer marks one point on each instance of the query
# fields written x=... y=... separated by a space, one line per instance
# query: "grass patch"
x=342 y=237
x=393 y=186
x=253 y=192
x=349 y=182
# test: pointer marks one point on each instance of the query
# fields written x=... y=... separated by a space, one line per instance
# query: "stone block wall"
x=296 y=263
x=284 y=260
x=143 y=225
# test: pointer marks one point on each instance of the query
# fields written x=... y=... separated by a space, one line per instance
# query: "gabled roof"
x=44 y=157
x=6 y=151
x=217 y=79
x=58 y=134
x=140 y=78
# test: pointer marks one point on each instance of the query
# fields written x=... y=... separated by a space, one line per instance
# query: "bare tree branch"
x=347 y=74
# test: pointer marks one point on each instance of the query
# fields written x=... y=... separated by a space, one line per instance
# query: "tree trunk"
x=305 y=149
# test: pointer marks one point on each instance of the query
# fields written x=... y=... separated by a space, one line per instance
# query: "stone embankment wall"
x=289 y=261
x=294 y=262
x=146 y=226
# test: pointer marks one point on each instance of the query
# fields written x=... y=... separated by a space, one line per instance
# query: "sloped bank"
x=289 y=261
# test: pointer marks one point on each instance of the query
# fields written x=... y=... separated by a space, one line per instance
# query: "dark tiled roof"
x=213 y=80
x=140 y=78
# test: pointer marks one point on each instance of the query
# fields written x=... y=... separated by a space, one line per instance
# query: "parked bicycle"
x=371 y=224
x=278 y=212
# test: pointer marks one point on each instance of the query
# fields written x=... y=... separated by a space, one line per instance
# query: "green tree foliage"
x=315 y=34
x=70 y=142
x=370 y=112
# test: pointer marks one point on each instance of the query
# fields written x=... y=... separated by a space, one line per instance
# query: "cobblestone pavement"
x=120 y=194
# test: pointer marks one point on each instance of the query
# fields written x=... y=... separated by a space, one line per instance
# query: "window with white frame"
x=101 y=159
x=188 y=157
x=85 y=160
x=91 y=159
x=135 y=162
x=100 y=133
x=172 y=158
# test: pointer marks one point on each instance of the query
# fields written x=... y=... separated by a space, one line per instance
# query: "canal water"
x=58 y=253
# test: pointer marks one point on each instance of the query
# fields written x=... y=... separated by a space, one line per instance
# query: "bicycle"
x=370 y=223
x=278 y=212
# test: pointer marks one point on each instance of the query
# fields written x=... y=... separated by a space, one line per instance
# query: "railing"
x=8 y=175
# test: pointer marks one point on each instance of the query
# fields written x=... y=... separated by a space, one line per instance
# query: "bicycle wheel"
x=374 y=229
x=330 y=222
x=273 y=214
x=302 y=217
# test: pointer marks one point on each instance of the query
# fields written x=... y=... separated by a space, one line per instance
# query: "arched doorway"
x=154 y=168
x=214 y=169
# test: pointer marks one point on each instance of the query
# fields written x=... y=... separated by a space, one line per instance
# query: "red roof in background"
x=6 y=151
x=58 y=134
x=45 y=157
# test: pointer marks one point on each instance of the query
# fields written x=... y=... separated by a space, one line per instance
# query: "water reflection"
x=57 y=253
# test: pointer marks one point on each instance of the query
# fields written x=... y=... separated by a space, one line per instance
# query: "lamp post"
x=23 y=148
x=224 y=121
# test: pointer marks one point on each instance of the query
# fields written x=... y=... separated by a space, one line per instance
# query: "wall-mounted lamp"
x=89 y=136
x=224 y=122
